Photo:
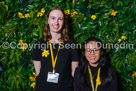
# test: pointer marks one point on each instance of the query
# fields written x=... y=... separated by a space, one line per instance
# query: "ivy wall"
x=22 y=23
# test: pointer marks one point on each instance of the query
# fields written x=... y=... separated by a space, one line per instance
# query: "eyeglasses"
x=96 y=51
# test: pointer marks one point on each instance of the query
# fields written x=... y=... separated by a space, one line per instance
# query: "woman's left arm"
x=115 y=83
x=74 y=65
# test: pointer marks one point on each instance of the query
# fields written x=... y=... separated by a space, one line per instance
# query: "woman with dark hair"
x=95 y=72
x=54 y=63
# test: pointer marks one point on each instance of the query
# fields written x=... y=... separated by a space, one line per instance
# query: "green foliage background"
x=16 y=65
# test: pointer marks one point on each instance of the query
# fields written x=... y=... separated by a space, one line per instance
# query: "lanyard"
x=98 y=82
x=52 y=56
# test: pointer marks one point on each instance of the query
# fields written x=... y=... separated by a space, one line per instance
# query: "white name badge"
x=52 y=77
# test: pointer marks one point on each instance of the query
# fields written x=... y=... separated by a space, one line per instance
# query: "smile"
x=55 y=26
x=92 y=57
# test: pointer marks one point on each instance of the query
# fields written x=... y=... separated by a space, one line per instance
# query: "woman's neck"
x=55 y=37
x=94 y=65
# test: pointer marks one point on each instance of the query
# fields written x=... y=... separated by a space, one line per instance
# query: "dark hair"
x=64 y=31
x=106 y=69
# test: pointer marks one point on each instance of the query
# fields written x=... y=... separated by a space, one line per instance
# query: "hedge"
x=22 y=23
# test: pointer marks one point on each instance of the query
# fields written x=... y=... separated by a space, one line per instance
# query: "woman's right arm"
x=37 y=66
x=76 y=81
x=36 y=58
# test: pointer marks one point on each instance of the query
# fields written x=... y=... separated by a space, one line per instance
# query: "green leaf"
x=35 y=34
x=12 y=54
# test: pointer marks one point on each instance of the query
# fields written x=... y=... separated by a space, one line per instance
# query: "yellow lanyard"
x=54 y=61
x=98 y=82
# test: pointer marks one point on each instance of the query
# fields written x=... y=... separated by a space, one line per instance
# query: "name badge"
x=52 y=77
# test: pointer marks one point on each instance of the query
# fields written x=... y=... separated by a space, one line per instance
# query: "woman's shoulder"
x=41 y=41
x=40 y=44
x=112 y=70
x=77 y=70
x=71 y=41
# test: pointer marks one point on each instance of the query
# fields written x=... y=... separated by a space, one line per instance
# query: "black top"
x=66 y=55
x=79 y=87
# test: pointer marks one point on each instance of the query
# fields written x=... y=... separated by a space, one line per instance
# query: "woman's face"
x=55 y=21
x=92 y=53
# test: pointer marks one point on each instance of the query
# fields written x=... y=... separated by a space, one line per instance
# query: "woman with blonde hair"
x=54 y=63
